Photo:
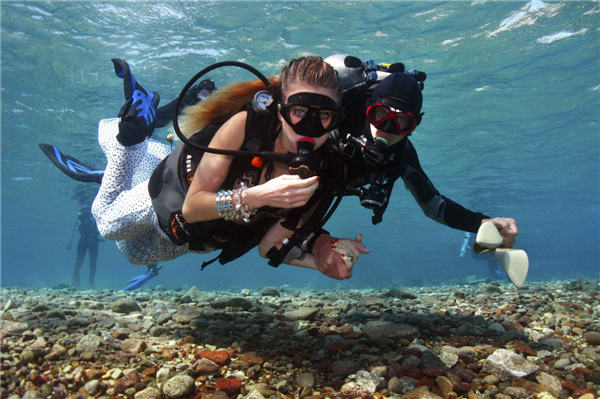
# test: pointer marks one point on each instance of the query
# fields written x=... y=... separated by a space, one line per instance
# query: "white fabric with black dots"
x=123 y=207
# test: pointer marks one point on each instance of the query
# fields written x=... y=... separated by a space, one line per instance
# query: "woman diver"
x=229 y=203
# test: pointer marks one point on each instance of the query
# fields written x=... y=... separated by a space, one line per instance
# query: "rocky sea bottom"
x=476 y=341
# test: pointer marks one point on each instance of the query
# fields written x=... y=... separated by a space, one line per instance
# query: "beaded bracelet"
x=225 y=204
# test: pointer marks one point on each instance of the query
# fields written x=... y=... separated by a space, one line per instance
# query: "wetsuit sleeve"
x=434 y=205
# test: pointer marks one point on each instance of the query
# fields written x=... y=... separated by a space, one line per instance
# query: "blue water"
x=511 y=126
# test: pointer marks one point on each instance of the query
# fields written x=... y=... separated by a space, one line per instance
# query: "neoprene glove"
x=138 y=115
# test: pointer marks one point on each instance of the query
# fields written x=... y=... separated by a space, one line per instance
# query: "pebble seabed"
x=475 y=342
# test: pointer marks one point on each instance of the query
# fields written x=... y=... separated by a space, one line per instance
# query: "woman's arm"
x=199 y=204
x=434 y=205
x=327 y=257
x=285 y=191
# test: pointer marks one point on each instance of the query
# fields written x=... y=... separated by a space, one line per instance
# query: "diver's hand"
x=507 y=228
x=285 y=191
x=348 y=249
x=328 y=252
x=138 y=115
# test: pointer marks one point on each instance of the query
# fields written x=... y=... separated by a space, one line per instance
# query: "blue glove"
x=138 y=115
x=138 y=281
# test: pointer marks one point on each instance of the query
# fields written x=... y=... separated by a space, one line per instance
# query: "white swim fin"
x=488 y=236
x=514 y=262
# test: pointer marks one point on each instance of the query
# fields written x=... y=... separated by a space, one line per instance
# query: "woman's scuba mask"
x=390 y=116
x=311 y=114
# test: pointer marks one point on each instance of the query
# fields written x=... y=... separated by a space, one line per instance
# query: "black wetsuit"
x=88 y=242
x=405 y=165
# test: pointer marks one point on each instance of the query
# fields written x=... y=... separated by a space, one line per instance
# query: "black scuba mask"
x=310 y=114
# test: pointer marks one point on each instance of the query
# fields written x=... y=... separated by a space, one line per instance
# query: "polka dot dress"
x=123 y=208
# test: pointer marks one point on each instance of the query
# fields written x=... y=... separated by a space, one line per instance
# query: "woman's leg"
x=121 y=210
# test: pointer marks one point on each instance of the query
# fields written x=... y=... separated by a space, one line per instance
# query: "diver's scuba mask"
x=392 y=116
x=311 y=114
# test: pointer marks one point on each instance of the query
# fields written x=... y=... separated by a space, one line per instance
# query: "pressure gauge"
x=261 y=102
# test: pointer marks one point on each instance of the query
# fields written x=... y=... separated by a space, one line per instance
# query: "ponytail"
x=222 y=104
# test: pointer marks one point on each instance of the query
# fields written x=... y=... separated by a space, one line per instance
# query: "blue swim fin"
x=138 y=115
x=138 y=281
x=72 y=167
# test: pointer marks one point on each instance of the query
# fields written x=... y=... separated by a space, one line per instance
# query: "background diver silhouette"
x=88 y=243
x=77 y=170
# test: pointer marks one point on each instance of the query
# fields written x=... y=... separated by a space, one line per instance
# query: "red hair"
x=226 y=102
x=222 y=104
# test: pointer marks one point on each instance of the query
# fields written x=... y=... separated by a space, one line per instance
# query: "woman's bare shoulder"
x=231 y=134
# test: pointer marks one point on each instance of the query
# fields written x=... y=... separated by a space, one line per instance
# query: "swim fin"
x=514 y=262
x=138 y=281
x=488 y=237
x=72 y=167
x=164 y=114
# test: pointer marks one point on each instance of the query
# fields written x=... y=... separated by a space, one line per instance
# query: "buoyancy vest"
x=171 y=180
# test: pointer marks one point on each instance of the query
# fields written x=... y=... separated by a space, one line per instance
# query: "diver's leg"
x=118 y=210
x=93 y=251
x=155 y=153
x=124 y=211
x=81 y=250
x=121 y=209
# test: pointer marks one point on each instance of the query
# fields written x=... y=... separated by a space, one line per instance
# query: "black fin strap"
x=208 y=263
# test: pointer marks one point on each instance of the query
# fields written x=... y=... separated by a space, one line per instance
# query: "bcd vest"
x=171 y=180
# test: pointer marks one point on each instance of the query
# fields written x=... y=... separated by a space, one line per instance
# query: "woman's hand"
x=347 y=249
x=335 y=257
x=285 y=191
x=507 y=228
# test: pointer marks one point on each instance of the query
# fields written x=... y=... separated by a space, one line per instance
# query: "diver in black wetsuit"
x=388 y=154
x=88 y=242
x=380 y=153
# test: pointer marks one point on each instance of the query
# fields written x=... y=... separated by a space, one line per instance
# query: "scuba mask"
x=311 y=114
x=392 y=116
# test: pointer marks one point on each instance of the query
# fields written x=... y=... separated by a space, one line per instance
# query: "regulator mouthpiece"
x=307 y=162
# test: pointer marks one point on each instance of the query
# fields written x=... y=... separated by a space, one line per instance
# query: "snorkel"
x=305 y=163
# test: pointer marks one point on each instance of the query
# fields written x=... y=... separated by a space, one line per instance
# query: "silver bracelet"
x=231 y=204
x=244 y=211
x=224 y=205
